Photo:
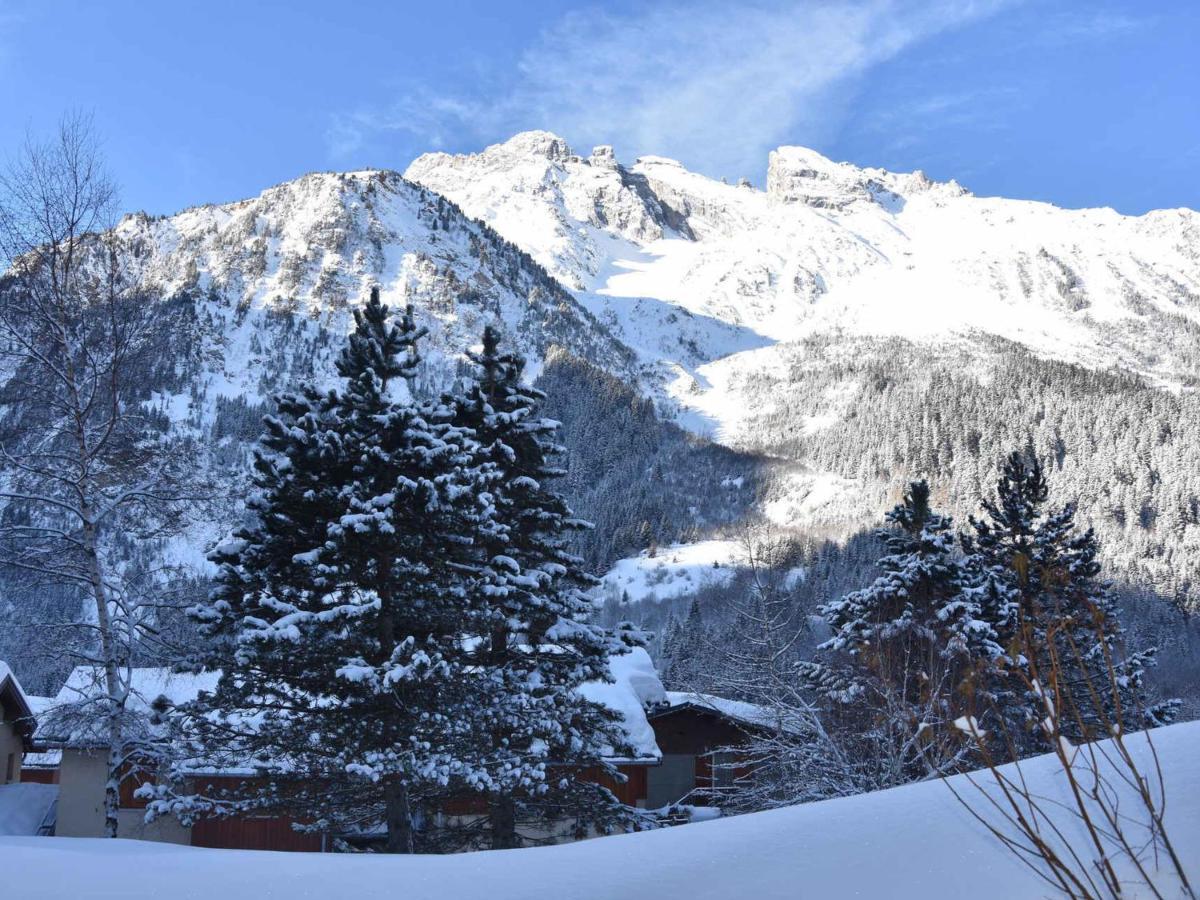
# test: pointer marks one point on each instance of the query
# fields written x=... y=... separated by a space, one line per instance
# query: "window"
x=10 y=768
x=724 y=763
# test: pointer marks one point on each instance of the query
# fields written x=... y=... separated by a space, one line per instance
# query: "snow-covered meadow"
x=910 y=842
x=673 y=571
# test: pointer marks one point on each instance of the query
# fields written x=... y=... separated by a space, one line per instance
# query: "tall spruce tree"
x=340 y=611
x=914 y=641
x=1040 y=588
x=536 y=735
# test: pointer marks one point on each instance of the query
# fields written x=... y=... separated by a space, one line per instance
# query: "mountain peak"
x=536 y=143
x=802 y=175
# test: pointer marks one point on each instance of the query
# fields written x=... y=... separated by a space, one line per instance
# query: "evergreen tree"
x=913 y=640
x=683 y=651
x=535 y=733
x=340 y=610
x=1056 y=618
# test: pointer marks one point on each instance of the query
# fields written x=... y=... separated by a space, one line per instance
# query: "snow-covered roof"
x=146 y=685
x=9 y=677
x=635 y=685
x=39 y=704
x=739 y=711
x=42 y=759
x=13 y=696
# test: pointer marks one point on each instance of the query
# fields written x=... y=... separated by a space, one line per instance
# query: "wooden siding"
x=39 y=776
x=628 y=792
x=694 y=731
x=253 y=833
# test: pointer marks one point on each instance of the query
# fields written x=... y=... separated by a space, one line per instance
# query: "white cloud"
x=714 y=85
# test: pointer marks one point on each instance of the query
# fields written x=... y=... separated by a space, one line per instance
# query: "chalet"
x=698 y=736
x=679 y=741
x=16 y=725
x=25 y=808
x=75 y=756
x=73 y=734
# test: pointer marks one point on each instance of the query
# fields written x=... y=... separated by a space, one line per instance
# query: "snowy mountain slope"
x=909 y=842
x=672 y=571
x=299 y=256
x=829 y=247
x=862 y=327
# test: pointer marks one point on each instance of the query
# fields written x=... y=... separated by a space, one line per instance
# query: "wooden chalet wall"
x=249 y=832
x=694 y=731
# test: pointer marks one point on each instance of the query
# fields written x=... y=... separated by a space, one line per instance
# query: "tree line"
x=957 y=645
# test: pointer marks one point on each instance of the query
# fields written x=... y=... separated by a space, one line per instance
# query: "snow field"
x=910 y=842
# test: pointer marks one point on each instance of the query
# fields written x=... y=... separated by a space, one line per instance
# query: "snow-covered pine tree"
x=536 y=734
x=684 y=652
x=340 y=610
x=913 y=641
x=1052 y=613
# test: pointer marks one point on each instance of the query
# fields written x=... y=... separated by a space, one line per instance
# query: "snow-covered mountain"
x=839 y=332
x=866 y=327
x=268 y=284
x=709 y=279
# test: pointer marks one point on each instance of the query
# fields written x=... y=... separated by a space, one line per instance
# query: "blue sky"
x=1080 y=103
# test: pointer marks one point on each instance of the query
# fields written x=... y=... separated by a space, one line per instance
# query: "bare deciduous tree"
x=84 y=473
x=1106 y=835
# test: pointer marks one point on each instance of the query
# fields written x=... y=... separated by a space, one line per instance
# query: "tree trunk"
x=503 y=814
x=112 y=680
x=502 y=810
x=399 y=818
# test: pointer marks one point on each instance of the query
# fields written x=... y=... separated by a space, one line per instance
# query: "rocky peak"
x=801 y=175
x=536 y=143
x=604 y=157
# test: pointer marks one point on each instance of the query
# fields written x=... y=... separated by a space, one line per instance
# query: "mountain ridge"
x=837 y=333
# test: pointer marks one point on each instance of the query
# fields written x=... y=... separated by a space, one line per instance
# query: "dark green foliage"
x=535 y=733
x=1053 y=614
x=642 y=481
x=339 y=612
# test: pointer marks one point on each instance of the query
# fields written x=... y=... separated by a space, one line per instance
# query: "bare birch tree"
x=83 y=473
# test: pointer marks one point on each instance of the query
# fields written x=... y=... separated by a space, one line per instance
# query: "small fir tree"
x=911 y=642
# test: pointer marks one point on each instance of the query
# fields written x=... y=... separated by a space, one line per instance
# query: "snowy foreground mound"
x=914 y=841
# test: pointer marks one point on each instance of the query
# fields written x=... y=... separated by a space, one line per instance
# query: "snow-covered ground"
x=673 y=571
x=910 y=842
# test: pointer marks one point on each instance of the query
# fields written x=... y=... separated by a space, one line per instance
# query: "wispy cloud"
x=708 y=83
x=1097 y=24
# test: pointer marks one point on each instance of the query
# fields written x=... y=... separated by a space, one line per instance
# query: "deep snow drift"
x=914 y=841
